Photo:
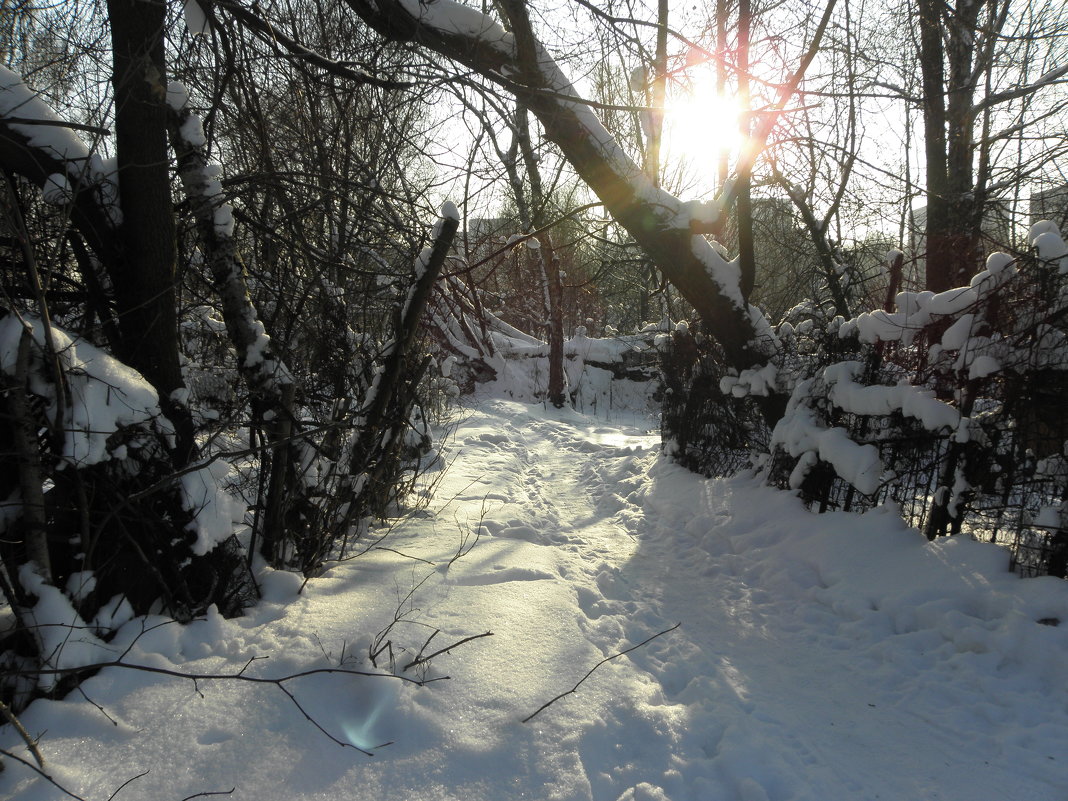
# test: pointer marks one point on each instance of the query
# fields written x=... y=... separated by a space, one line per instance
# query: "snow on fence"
x=949 y=405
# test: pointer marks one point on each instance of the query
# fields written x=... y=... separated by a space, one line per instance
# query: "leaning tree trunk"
x=666 y=228
x=374 y=461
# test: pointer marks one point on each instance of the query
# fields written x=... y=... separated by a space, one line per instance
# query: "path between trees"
x=824 y=658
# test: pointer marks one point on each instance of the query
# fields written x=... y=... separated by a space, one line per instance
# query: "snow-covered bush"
x=949 y=404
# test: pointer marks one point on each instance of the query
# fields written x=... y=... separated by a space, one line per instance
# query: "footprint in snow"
x=491 y=439
x=214 y=737
x=503 y=575
x=524 y=533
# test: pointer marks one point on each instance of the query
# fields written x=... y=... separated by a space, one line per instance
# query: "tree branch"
x=547 y=704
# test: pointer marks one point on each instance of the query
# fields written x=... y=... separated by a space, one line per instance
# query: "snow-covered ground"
x=827 y=658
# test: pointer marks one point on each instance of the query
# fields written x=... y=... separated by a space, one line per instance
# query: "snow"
x=214 y=510
x=456 y=18
x=918 y=403
x=104 y=395
x=57 y=190
x=801 y=434
x=916 y=310
x=192 y=129
x=63 y=637
x=819 y=658
x=195 y=19
x=1045 y=238
x=726 y=274
x=983 y=366
x=177 y=95
x=758 y=381
x=449 y=211
x=19 y=101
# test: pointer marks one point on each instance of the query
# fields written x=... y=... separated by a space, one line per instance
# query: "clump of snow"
x=57 y=141
x=19 y=101
x=79 y=584
x=104 y=394
x=177 y=95
x=113 y=614
x=919 y=403
x=760 y=381
x=195 y=19
x=449 y=211
x=456 y=18
x=57 y=190
x=64 y=640
x=224 y=220
x=1042 y=227
x=1049 y=245
x=801 y=434
x=983 y=366
x=192 y=131
x=214 y=509
x=958 y=334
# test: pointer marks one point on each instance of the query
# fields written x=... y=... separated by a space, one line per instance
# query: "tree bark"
x=371 y=442
x=744 y=179
x=143 y=277
x=954 y=214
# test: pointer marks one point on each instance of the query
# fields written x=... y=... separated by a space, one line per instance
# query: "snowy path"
x=824 y=658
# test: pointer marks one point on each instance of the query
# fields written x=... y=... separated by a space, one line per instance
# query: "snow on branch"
x=1050 y=78
x=663 y=225
x=39 y=145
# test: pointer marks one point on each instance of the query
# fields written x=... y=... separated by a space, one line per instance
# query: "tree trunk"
x=554 y=290
x=953 y=212
x=31 y=474
x=743 y=182
x=143 y=277
x=368 y=449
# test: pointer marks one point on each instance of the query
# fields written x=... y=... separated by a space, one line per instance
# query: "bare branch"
x=549 y=703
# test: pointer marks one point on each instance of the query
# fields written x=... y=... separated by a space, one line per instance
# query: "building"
x=1050 y=204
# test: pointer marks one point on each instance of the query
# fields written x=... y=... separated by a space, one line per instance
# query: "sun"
x=699 y=125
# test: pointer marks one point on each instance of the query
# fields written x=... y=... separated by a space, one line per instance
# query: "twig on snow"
x=16 y=724
x=210 y=792
x=420 y=659
x=126 y=784
x=606 y=659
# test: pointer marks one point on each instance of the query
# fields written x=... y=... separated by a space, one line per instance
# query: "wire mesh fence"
x=952 y=408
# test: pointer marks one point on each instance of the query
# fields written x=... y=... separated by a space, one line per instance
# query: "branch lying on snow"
x=118 y=789
x=48 y=778
x=209 y=793
x=240 y=676
x=422 y=660
x=547 y=704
